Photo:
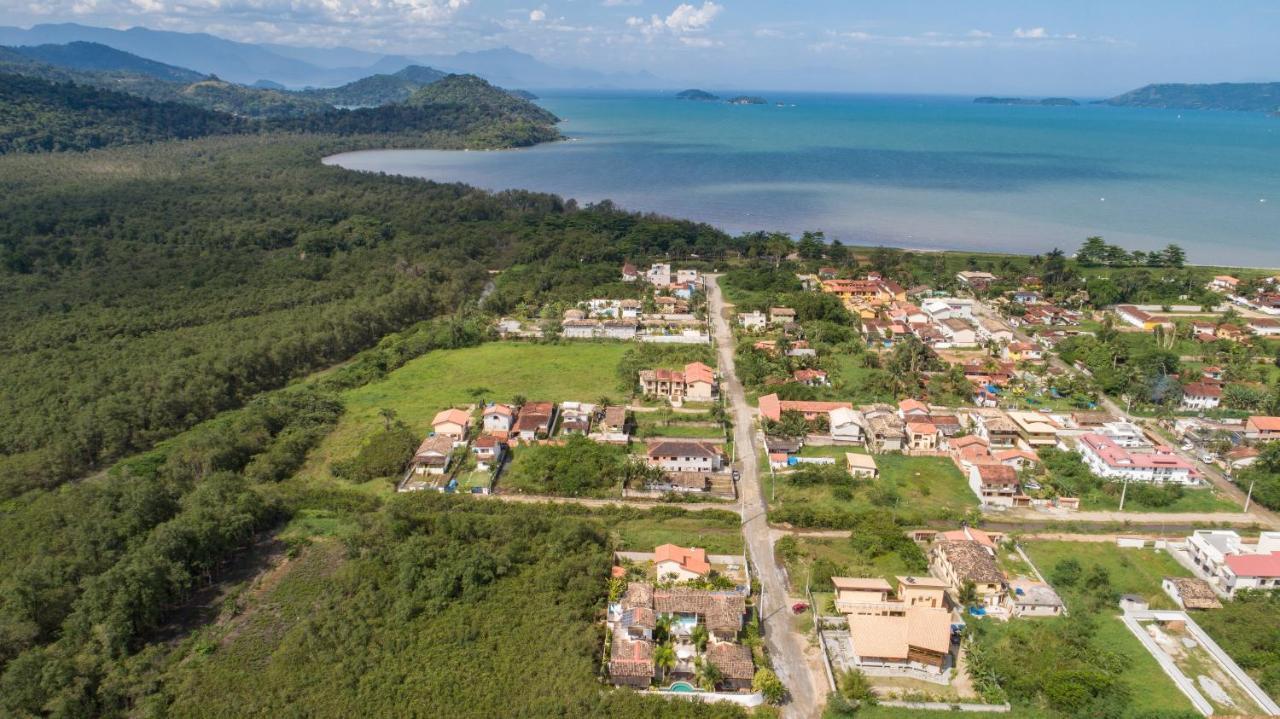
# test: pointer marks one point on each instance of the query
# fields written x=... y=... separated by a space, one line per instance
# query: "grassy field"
x=445 y=378
x=716 y=535
x=1207 y=499
x=841 y=553
x=1133 y=571
x=921 y=487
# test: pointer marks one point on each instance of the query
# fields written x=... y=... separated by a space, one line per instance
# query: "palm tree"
x=699 y=637
x=388 y=416
x=664 y=658
x=662 y=628
x=708 y=675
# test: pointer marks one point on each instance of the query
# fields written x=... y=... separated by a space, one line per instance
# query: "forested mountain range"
x=1243 y=96
x=43 y=115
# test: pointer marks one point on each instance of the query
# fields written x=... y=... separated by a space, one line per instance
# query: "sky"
x=1072 y=47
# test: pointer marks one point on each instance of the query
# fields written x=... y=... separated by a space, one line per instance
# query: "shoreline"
x=328 y=161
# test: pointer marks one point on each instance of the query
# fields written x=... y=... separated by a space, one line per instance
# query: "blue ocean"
x=916 y=172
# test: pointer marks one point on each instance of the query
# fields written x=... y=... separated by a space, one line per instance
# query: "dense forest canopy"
x=37 y=115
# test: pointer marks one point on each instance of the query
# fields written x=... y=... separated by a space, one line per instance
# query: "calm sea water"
x=921 y=172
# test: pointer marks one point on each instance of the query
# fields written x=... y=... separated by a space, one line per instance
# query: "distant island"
x=1241 y=96
x=1045 y=102
x=748 y=100
x=696 y=95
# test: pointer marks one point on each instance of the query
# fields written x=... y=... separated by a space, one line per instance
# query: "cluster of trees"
x=579 y=467
x=1095 y=252
x=872 y=540
x=94 y=568
x=1066 y=474
x=39 y=115
x=141 y=300
x=432 y=580
x=1263 y=477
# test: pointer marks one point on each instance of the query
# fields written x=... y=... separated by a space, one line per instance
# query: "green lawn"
x=916 y=488
x=1136 y=571
x=1206 y=499
x=444 y=378
x=716 y=535
x=1133 y=571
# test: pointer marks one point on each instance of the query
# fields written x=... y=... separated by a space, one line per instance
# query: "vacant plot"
x=716 y=532
x=915 y=489
x=815 y=560
x=1132 y=571
x=1206 y=499
x=497 y=371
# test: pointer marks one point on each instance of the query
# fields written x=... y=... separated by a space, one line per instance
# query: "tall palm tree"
x=699 y=637
x=662 y=628
x=664 y=658
x=708 y=675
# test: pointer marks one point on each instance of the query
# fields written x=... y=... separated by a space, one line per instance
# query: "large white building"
x=1160 y=465
x=1231 y=565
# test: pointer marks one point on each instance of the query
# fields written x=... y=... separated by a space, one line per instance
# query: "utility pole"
x=1124 y=489
x=1249 y=497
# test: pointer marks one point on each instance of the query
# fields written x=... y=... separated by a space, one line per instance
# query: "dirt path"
x=793 y=663
x=592 y=502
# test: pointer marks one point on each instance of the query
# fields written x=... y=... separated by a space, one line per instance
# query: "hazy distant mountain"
x=248 y=63
x=98 y=57
x=98 y=66
x=512 y=68
x=235 y=61
x=1246 y=96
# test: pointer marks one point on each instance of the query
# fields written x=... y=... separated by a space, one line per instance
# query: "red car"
x=799 y=607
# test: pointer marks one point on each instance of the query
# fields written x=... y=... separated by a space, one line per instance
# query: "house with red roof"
x=1262 y=429
x=772 y=408
x=680 y=564
x=1199 y=396
x=453 y=423
x=1159 y=464
x=996 y=484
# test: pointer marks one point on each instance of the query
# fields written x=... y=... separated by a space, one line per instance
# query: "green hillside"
x=38 y=115
x=377 y=89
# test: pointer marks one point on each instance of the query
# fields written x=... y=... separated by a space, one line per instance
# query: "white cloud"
x=537 y=15
x=687 y=18
x=978 y=33
x=1035 y=33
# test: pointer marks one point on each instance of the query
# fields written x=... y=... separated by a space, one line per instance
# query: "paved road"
x=804 y=681
x=1215 y=476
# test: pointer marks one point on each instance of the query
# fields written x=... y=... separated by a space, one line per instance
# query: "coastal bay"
x=919 y=172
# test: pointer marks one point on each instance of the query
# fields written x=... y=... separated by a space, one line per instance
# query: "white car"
x=1206 y=458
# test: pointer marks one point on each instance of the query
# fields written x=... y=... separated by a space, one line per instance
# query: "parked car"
x=800 y=607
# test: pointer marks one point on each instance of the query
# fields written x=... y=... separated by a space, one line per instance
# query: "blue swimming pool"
x=681 y=687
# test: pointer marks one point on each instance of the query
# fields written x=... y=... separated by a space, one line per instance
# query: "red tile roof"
x=1255 y=565
x=693 y=559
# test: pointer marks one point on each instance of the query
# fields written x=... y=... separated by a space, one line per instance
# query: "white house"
x=992 y=331
x=994 y=484
x=1229 y=564
x=685 y=456
x=687 y=277
x=957 y=331
x=499 y=418
x=1159 y=465
x=1265 y=326
x=659 y=274
x=1199 y=396
x=753 y=321
x=845 y=425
